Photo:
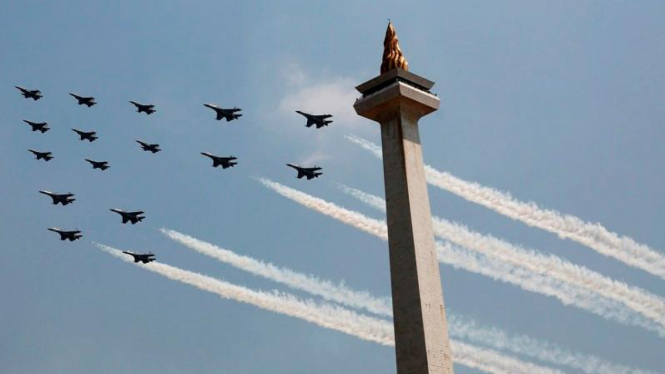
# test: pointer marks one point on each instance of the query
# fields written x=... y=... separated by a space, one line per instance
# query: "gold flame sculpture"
x=392 y=55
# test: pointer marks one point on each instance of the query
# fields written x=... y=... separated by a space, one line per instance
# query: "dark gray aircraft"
x=89 y=101
x=64 y=234
x=99 y=164
x=145 y=108
x=228 y=114
x=306 y=172
x=224 y=162
x=38 y=126
x=30 y=94
x=154 y=148
x=63 y=199
x=138 y=257
x=133 y=217
x=90 y=136
x=319 y=120
x=46 y=156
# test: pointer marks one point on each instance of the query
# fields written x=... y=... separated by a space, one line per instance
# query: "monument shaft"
x=397 y=100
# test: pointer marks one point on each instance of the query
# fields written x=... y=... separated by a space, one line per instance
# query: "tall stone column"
x=397 y=99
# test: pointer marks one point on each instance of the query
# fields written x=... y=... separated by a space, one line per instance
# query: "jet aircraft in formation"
x=90 y=136
x=83 y=100
x=103 y=165
x=138 y=257
x=38 y=126
x=46 y=156
x=319 y=120
x=154 y=148
x=306 y=172
x=229 y=114
x=30 y=94
x=64 y=234
x=224 y=162
x=133 y=217
x=63 y=199
x=145 y=108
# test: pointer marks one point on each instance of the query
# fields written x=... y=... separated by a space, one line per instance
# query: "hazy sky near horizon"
x=560 y=103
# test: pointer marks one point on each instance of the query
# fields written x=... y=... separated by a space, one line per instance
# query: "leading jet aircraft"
x=46 y=156
x=90 y=136
x=64 y=234
x=306 y=172
x=224 y=162
x=133 y=217
x=30 y=94
x=103 y=165
x=154 y=148
x=138 y=257
x=38 y=126
x=145 y=108
x=63 y=199
x=89 y=101
x=228 y=114
x=319 y=120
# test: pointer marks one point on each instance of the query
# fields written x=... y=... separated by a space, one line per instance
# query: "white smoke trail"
x=328 y=290
x=334 y=318
x=497 y=270
x=592 y=235
x=460 y=327
x=640 y=301
x=464 y=328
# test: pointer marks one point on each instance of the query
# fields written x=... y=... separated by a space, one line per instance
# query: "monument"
x=397 y=99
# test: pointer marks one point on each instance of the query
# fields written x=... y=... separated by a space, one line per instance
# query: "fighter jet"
x=63 y=199
x=133 y=217
x=228 y=114
x=38 y=126
x=103 y=165
x=64 y=235
x=89 y=101
x=145 y=108
x=154 y=148
x=30 y=94
x=319 y=120
x=90 y=136
x=138 y=257
x=224 y=162
x=46 y=156
x=306 y=172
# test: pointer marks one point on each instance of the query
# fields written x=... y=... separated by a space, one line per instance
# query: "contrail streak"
x=592 y=235
x=328 y=290
x=480 y=264
x=640 y=301
x=459 y=327
x=467 y=329
x=334 y=318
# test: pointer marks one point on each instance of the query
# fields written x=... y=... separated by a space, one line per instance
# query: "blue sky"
x=560 y=103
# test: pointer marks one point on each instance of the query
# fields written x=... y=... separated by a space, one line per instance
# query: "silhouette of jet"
x=145 y=108
x=319 y=120
x=30 y=94
x=138 y=257
x=64 y=234
x=306 y=172
x=154 y=148
x=89 y=101
x=63 y=199
x=46 y=156
x=90 y=136
x=99 y=164
x=38 y=126
x=133 y=217
x=224 y=162
x=228 y=114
